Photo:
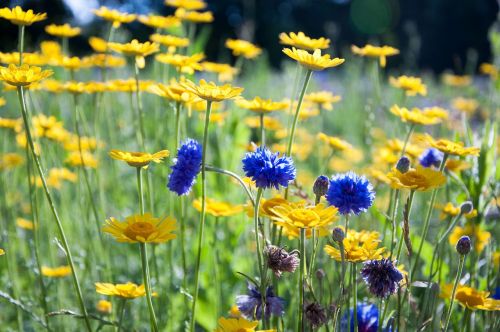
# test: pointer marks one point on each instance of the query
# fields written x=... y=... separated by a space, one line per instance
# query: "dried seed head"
x=279 y=260
x=315 y=314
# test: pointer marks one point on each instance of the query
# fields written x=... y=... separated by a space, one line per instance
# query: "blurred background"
x=434 y=35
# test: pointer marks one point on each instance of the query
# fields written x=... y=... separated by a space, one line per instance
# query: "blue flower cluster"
x=186 y=168
x=431 y=157
x=367 y=318
x=350 y=193
x=268 y=169
x=381 y=276
x=251 y=305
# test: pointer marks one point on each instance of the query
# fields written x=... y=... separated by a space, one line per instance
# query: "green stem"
x=393 y=219
x=453 y=293
x=64 y=242
x=262 y=130
x=140 y=113
x=355 y=297
x=234 y=176
x=407 y=139
x=201 y=226
x=302 y=276
x=177 y=125
x=139 y=189
x=401 y=240
x=122 y=312
x=427 y=222
x=147 y=285
x=20 y=45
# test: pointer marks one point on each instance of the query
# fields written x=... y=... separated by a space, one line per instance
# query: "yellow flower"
x=173 y=91
x=32 y=59
x=114 y=16
x=412 y=85
x=470 y=298
x=259 y=105
x=451 y=148
x=225 y=72
x=128 y=85
x=73 y=143
x=456 y=80
x=11 y=123
x=302 y=216
x=104 y=307
x=2 y=252
x=141 y=228
x=478 y=237
x=193 y=16
x=269 y=123
x=139 y=159
x=187 y=4
x=234 y=312
x=378 y=175
x=51 y=50
x=358 y=247
x=218 y=208
x=24 y=224
x=170 y=41
x=450 y=210
x=104 y=61
x=159 y=22
x=98 y=44
x=243 y=48
x=212 y=92
x=56 y=272
x=420 y=179
x=465 y=105
x=381 y=52
x=183 y=63
x=86 y=159
x=23 y=75
x=64 y=30
x=18 y=16
x=456 y=165
x=314 y=61
x=334 y=142
x=300 y=40
x=236 y=325
x=126 y=291
x=323 y=99
x=135 y=49
x=489 y=69
x=415 y=115
x=10 y=160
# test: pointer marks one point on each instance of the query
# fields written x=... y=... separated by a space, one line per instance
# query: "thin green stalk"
x=297 y=111
x=139 y=189
x=302 y=276
x=177 y=125
x=64 y=242
x=393 y=219
x=262 y=130
x=122 y=312
x=140 y=113
x=147 y=286
x=401 y=240
x=201 y=226
x=427 y=222
x=382 y=318
x=355 y=297
x=234 y=176
x=20 y=44
x=407 y=139
x=453 y=293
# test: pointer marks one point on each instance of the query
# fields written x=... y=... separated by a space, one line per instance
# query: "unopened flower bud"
x=403 y=164
x=315 y=314
x=463 y=245
x=320 y=186
x=466 y=207
x=338 y=234
x=320 y=274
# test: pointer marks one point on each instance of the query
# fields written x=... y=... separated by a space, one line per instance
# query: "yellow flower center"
x=470 y=299
x=304 y=217
x=139 y=229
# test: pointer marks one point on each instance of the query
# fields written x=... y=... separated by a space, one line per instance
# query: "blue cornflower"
x=431 y=157
x=367 y=319
x=350 y=193
x=381 y=276
x=250 y=305
x=186 y=167
x=268 y=169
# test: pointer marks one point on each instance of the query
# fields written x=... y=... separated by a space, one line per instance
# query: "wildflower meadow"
x=145 y=187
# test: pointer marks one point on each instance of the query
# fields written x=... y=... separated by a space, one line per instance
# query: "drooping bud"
x=315 y=314
x=466 y=207
x=338 y=235
x=403 y=164
x=320 y=274
x=279 y=260
x=320 y=186
x=463 y=245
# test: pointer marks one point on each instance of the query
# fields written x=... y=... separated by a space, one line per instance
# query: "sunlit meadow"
x=144 y=187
